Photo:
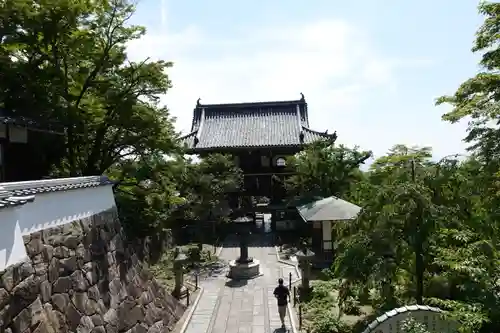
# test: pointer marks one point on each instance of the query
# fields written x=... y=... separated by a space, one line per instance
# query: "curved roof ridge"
x=182 y=137
x=188 y=139
x=312 y=132
x=318 y=132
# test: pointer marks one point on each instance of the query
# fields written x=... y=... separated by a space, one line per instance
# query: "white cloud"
x=330 y=61
x=163 y=14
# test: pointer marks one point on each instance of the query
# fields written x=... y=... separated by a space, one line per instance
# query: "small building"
x=28 y=148
x=320 y=215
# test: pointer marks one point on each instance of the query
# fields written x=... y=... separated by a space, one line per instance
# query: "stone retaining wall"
x=83 y=277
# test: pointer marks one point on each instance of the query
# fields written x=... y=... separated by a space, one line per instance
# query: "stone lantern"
x=244 y=267
x=179 y=260
x=305 y=256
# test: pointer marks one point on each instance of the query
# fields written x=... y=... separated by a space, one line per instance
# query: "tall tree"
x=478 y=98
x=471 y=254
x=74 y=68
x=393 y=231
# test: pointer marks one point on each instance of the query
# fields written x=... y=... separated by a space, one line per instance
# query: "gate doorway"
x=263 y=222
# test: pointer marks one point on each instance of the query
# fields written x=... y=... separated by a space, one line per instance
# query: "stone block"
x=243 y=271
x=84 y=277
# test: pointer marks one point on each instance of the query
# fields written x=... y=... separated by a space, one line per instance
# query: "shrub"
x=410 y=325
x=329 y=323
x=361 y=293
x=350 y=306
x=323 y=289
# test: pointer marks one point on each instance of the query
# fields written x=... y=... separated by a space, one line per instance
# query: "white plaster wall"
x=10 y=251
x=47 y=211
x=57 y=208
x=327 y=235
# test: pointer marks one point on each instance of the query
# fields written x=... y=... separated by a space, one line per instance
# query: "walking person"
x=282 y=294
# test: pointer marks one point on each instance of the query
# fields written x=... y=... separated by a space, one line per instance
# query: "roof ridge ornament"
x=198 y=101
x=302 y=98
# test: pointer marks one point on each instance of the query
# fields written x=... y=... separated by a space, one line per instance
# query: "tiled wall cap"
x=18 y=193
x=59 y=184
x=7 y=199
x=394 y=312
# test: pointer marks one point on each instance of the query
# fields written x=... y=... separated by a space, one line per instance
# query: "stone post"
x=305 y=268
x=305 y=257
x=179 y=260
x=243 y=247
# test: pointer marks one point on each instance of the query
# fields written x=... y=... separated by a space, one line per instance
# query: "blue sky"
x=369 y=69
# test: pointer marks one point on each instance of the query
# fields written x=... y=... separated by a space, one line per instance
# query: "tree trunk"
x=418 y=247
x=419 y=264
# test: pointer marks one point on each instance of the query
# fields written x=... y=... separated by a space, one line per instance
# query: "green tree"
x=66 y=61
x=477 y=99
x=206 y=186
x=323 y=170
x=429 y=230
x=470 y=252
x=392 y=235
x=74 y=69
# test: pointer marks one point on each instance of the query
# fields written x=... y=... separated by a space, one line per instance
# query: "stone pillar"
x=305 y=268
x=244 y=247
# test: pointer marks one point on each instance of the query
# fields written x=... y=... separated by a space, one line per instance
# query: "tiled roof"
x=19 y=193
x=249 y=129
x=251 y=125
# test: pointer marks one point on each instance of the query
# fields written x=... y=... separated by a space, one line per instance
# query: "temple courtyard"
x=246 y=306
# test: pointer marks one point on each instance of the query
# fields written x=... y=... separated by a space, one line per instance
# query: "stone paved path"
x=245 y=306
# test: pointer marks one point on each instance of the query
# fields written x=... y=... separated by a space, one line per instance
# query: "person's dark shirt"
x=281 y=292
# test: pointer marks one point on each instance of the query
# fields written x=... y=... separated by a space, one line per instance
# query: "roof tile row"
x=19 y=193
